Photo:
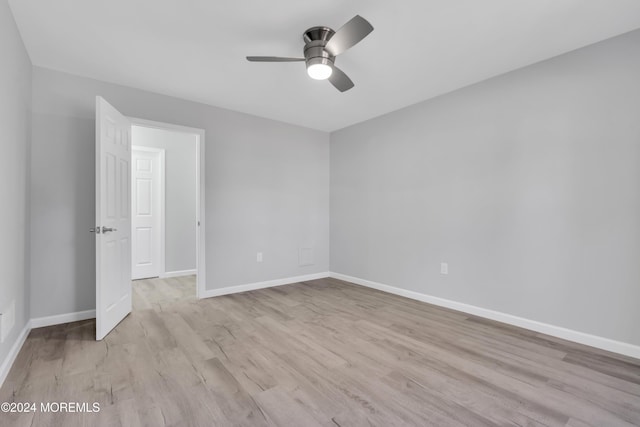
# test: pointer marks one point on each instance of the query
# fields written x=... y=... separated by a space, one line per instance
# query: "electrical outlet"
x=444 y=268
x=7 y=321
x=259 y=257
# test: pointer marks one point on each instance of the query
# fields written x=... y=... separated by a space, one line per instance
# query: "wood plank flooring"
x=320 y=353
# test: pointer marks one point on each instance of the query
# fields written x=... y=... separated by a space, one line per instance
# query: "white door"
x=146 y=215
x=113 y=217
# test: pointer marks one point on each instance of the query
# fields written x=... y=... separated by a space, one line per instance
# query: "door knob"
x=95 y=230
x=108 y=229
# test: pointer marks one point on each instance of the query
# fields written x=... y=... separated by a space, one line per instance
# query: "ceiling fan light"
x=319 y=71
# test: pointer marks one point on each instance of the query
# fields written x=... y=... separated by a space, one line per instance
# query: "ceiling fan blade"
x=348 y=35
x=340 y=80
x=272 y=59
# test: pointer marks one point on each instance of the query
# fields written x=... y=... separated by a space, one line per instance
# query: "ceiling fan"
x=322 y=45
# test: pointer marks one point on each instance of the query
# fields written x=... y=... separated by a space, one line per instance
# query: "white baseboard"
x=556 y=331
x=41 y=322
x=13 y=353
x=178 y=273
x=533 y=325
x=208 y=293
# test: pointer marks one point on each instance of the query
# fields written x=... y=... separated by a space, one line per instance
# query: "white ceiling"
x=195 y=49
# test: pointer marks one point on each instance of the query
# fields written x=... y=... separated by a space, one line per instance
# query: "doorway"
x=167 y=204
x=113 y=212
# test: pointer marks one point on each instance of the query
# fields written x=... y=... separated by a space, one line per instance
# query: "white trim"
x=201 y=265
x=533 y=325
x=200 y=189
x=91 y=314
x=164 y=126
x=261 y=285
x=568 y=334
x=7 y=363
x=39 y=323
x=178 y=273
x=163 y=209
x=59 y=319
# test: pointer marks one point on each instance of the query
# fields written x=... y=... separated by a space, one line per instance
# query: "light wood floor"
x=318 y=353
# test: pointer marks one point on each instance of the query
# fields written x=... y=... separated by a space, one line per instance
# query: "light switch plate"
x=444 y=268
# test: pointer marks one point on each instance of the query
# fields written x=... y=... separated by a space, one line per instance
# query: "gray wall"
x=15 y=105
x=267 y=189
x=180 y=193
x=527 y=184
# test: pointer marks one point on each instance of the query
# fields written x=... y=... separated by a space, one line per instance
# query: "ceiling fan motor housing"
x=315 y=40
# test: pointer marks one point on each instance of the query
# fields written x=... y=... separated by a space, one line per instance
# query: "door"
x=113 y=217
x=146 y=216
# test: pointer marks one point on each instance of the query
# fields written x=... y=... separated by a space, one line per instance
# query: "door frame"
x=200 y=193
x=161 y=191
